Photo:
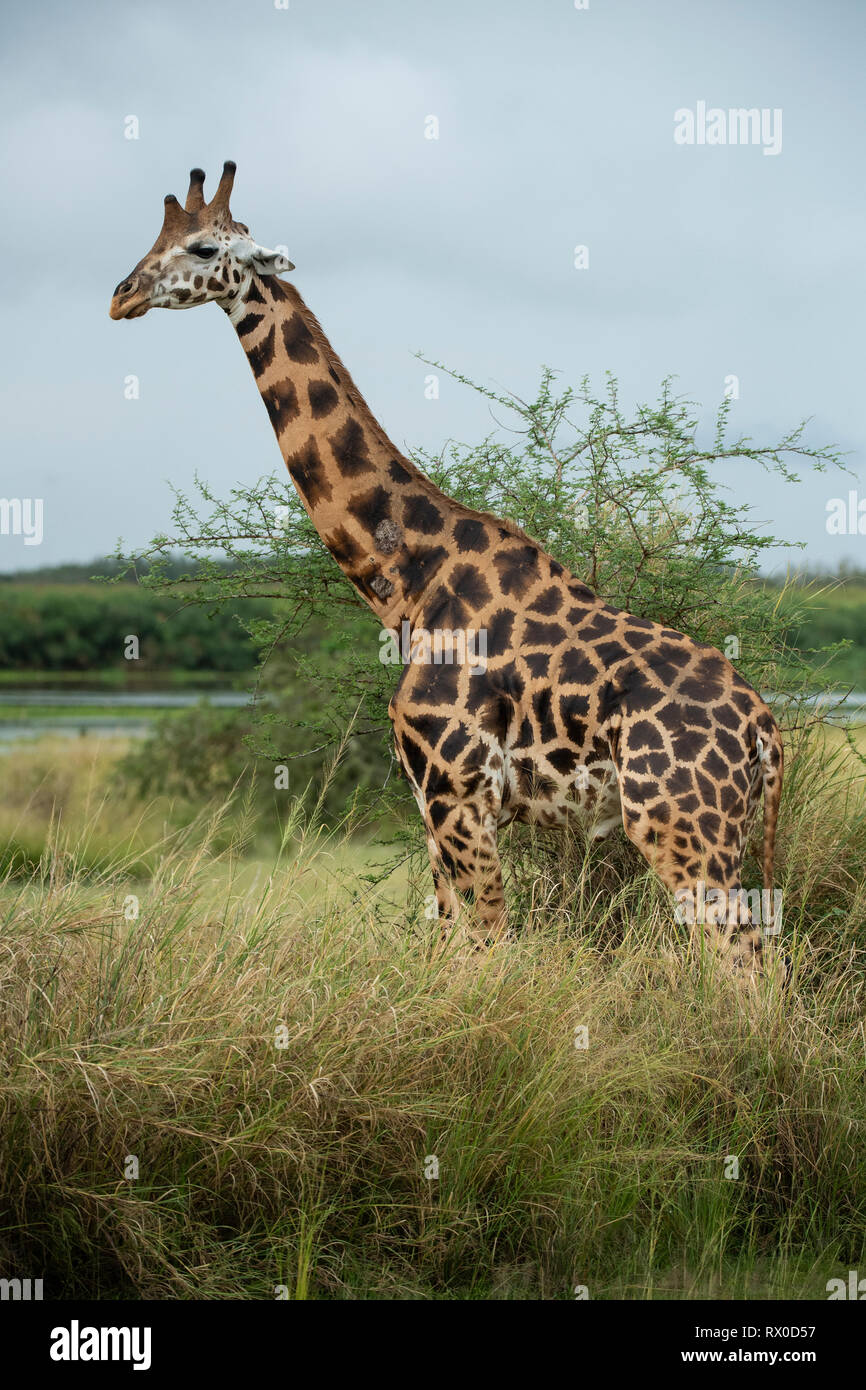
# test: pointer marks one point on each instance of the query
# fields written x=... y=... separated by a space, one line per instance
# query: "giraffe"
x=579 y=712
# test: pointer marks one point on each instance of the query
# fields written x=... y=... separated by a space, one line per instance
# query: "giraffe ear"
x=269 y=262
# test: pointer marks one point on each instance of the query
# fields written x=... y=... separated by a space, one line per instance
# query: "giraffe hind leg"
x=697 y=853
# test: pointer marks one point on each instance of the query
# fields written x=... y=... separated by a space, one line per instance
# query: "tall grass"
x=57 y=793
x=291 y=1061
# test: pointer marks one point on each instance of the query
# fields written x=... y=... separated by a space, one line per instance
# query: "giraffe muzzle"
x=128 y=300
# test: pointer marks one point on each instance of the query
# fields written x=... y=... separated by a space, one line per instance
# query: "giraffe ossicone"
x=582 y=712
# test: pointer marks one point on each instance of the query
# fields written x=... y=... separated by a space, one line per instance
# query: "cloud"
x=555 y=128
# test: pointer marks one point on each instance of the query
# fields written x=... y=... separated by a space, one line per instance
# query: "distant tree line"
x=86 y=627
x=177 y=566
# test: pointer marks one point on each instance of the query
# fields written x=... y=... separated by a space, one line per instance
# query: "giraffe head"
x=199 y=255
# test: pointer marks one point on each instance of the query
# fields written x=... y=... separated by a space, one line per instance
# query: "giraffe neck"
x=381 y=518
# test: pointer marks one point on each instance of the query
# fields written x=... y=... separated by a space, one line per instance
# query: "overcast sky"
x=556 y=128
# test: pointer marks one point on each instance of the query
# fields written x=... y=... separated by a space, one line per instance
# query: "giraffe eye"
x=201 y=250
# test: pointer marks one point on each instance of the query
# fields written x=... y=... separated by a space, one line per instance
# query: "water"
x=139 y=699
x=21 y=730
x=147 y=703
x=848 y=711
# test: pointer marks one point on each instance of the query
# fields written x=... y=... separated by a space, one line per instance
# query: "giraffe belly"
x=590 y=797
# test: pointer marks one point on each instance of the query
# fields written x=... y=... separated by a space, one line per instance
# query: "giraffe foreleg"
x=464 y=857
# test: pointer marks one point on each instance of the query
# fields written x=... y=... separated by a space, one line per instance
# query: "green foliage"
x=201 y=753
x=636 y=509
x=75 y=573
x=832 y=616
x=83 y=628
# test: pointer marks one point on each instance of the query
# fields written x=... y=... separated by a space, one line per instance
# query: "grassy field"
x=228 y=1070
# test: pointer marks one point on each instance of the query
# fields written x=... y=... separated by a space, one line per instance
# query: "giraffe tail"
x=771 y=758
